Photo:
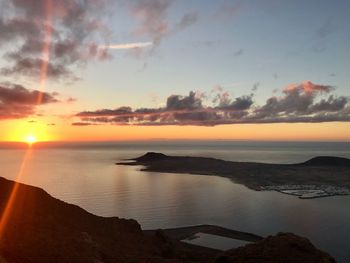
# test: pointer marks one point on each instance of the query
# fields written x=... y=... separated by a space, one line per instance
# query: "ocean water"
x=86 y=175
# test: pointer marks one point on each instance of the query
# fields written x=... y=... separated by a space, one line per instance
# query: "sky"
x=104 y=70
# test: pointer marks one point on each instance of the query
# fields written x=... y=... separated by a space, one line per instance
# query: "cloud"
x=127 y=45
x=18 y=102
x=187 y=20
x=256 y=85
x=32 y=66
x=151 y=15
x=332 y=104
x=81 y=124
x=298 y=99
x=307 y=87
x=298 y=103
x=153 y=22
x=222 y=97
x=240 y=103
x=60 y=34
x=223 y=100
x=190 y=102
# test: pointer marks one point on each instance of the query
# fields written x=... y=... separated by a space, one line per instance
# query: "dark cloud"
x=17 y=94
x=81 y=124
x=26 y=66
x=19 y=102
x=223 y=100
x=331 y=104
x=255 y=86
x=61 y=34
x=107 y=112
x=240 y=103
x=222 y=97
x=190 y=102
x=17 y=28
x=298 y=103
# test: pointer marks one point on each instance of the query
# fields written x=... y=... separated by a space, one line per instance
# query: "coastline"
x=318 y=177
x=308 y=191
x=187 y=232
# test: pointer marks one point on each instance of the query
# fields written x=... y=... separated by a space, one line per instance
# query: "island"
x=321 y=176
x=38 y=228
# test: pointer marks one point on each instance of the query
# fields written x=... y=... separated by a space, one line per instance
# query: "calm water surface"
x=85 y=174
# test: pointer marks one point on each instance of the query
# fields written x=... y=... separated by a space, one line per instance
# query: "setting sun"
x=31 y=139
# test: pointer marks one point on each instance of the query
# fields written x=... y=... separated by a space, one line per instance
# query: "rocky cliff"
x=35 y=227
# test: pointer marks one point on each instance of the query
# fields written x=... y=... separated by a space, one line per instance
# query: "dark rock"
x=282 y=248
x=328 y=161
x=151 y=156
x=159 y=233
x=36 y=227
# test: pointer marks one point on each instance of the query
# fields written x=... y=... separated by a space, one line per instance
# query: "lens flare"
x=6 y=214
x=46 y=49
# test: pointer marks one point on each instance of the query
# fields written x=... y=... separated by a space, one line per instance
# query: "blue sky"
x=273 y=43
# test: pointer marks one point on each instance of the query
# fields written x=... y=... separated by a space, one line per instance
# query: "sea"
x=85 y=174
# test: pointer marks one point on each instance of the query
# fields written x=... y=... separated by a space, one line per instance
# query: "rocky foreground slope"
x=39 y=228
x=284 y=247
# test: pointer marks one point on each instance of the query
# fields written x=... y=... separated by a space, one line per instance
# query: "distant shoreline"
x=318 y=177
x=183 y=142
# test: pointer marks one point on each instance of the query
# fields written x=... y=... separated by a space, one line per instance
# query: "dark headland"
x=318 y=177
x=38 y=228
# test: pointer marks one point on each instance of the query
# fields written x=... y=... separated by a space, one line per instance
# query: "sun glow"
x=31 y=139
x=21 y=130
